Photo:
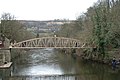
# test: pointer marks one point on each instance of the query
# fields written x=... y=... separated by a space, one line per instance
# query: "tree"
x=13 y=29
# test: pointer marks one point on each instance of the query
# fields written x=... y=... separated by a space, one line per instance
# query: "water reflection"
x=37 y=62
x=52 y=62
x=38 y=70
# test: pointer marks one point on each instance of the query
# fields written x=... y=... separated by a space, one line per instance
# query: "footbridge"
x=49 y=42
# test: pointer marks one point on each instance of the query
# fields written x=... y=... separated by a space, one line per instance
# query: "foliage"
x=99 y=26
x=13 y=29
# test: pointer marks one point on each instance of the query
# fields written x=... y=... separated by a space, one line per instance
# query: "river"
x=49 y=62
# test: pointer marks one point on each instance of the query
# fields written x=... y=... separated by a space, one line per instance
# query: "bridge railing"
x=50 y=42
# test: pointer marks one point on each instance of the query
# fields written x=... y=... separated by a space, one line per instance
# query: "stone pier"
x=5 y=55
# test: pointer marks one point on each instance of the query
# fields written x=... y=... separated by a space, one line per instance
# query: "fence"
x=45 y=77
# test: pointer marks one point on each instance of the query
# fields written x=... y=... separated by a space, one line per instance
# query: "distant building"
x=44 y=26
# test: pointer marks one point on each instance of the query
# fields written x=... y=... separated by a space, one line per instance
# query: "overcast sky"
x=45 y=9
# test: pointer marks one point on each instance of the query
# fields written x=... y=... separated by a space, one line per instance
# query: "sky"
x=45 y=9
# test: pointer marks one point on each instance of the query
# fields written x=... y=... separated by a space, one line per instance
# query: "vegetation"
x=13 y=29
x=99 y=26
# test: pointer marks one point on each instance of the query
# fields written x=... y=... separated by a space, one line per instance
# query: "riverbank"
x=94 y=57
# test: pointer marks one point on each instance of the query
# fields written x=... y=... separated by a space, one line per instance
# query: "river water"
x=51 y=62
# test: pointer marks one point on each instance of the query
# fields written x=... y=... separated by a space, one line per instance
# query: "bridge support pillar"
x=5 y=58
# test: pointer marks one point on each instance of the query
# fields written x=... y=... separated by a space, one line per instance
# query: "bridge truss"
x=49 y=42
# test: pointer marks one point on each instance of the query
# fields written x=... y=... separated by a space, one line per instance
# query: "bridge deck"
x=48 y=47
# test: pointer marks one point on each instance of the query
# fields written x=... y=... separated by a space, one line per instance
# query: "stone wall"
x=1 y=58
x=4 y=56
x=5 y=52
